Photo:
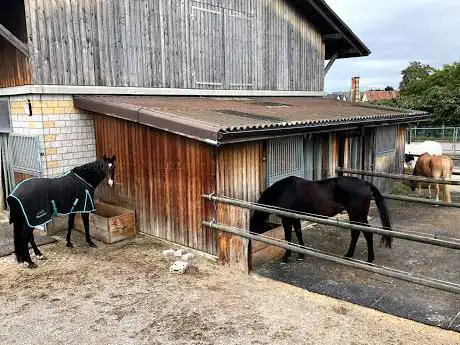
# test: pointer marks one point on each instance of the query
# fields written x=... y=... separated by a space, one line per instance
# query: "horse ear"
x=113 y=158
x=105 y=157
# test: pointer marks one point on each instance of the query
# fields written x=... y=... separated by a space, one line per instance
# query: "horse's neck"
x=93 y=176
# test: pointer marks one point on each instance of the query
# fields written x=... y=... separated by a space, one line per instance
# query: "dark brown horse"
x=325 y=198
x=34 y=202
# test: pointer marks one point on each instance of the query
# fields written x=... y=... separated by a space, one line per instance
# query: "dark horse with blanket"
x=34 y=202
x=325 y=198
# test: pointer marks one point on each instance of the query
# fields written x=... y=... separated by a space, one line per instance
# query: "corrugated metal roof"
x=218 y=118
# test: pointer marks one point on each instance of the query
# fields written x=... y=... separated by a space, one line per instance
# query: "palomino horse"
x=325 y=198
x=412 y=151
x=34 y=202
x=435 y=167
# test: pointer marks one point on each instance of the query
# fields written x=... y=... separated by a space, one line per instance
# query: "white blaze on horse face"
x=110 y=182
x=110 y=165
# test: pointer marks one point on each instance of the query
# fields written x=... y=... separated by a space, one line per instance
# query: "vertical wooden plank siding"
x=235 y=44
x=15 y=68
x=233 y=251
x=239 y=169
x=162 y=176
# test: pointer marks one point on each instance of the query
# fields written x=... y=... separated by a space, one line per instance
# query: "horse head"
x=109 y=170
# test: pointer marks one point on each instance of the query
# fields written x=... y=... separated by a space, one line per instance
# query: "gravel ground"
x=124 y=294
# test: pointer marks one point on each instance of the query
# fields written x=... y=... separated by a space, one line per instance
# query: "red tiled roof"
x=381 y=95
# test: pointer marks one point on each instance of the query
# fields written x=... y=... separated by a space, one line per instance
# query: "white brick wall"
x=66 y=133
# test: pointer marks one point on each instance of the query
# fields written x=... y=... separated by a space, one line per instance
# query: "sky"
x=396 y=32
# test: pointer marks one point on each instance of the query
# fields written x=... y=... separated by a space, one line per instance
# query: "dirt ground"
x=124 y=294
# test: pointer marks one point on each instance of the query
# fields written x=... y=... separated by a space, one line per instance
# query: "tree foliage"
x=436 y=91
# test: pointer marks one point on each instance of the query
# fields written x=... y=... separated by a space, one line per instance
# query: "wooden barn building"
x=193 y=96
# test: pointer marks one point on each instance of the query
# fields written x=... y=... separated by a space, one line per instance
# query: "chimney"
x=354 y=94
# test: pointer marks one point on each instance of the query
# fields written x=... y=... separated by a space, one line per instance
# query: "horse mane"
x=93 y=172
x=96 y=165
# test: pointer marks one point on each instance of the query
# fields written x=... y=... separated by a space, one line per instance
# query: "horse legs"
x=287 y=226
x=69 y=231
x=28 y=236
x=437 y=191
x=429 y=189
x=354 y=240
x=18 y=229
x=370 y=244
x=85 y=217
x=37 y=252
x=298 y=233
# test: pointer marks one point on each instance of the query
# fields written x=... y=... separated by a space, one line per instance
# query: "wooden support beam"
x=336 y=36
x=330 y=63
x=16 y=42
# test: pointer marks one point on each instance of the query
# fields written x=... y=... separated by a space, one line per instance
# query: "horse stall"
x=172 y=150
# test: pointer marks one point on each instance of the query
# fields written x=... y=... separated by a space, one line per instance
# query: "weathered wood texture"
x=233 y=251
x=109 y=223
x=162 y=176
x=15 y=68
x=239 y=175
x=238 y=44
x=262 y=252
x=239 y=170
x=392 y=162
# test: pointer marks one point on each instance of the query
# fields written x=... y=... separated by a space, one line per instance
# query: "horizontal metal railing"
x=453 y=244
x=382 y=270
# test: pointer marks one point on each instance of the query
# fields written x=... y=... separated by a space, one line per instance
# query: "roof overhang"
x=217 y=121
x=338 y=37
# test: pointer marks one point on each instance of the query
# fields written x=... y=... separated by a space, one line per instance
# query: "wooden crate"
x=109 y=223
x=262 y=252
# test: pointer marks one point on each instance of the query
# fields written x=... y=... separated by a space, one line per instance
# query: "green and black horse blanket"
x=41 y=199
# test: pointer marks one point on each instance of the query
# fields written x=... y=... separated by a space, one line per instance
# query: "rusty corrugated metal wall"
x=162 y=176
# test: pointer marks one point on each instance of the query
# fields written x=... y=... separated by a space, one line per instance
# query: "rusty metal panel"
x=162 y=176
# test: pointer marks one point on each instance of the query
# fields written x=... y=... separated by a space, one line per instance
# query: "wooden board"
x=109 y=223
x=262 y=252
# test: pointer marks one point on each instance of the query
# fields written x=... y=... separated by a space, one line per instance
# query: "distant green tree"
x=436 y=91
x=389 y=88
x=414 y=73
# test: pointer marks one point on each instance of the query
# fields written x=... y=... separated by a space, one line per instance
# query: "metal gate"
x=25 y=154
x=285 y=157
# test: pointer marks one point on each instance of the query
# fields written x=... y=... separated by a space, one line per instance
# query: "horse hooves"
x=69 y=245
x=30 y=264
x=40 y=257
x=301 y=257
x=92 y=244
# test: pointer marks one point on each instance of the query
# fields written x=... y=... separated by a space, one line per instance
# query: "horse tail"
x=384 y=214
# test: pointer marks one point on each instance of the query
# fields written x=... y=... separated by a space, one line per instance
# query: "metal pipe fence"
x=398 y=176
x=450 y=135
x=421 y=200
x=382 y=270
x=453 y=244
